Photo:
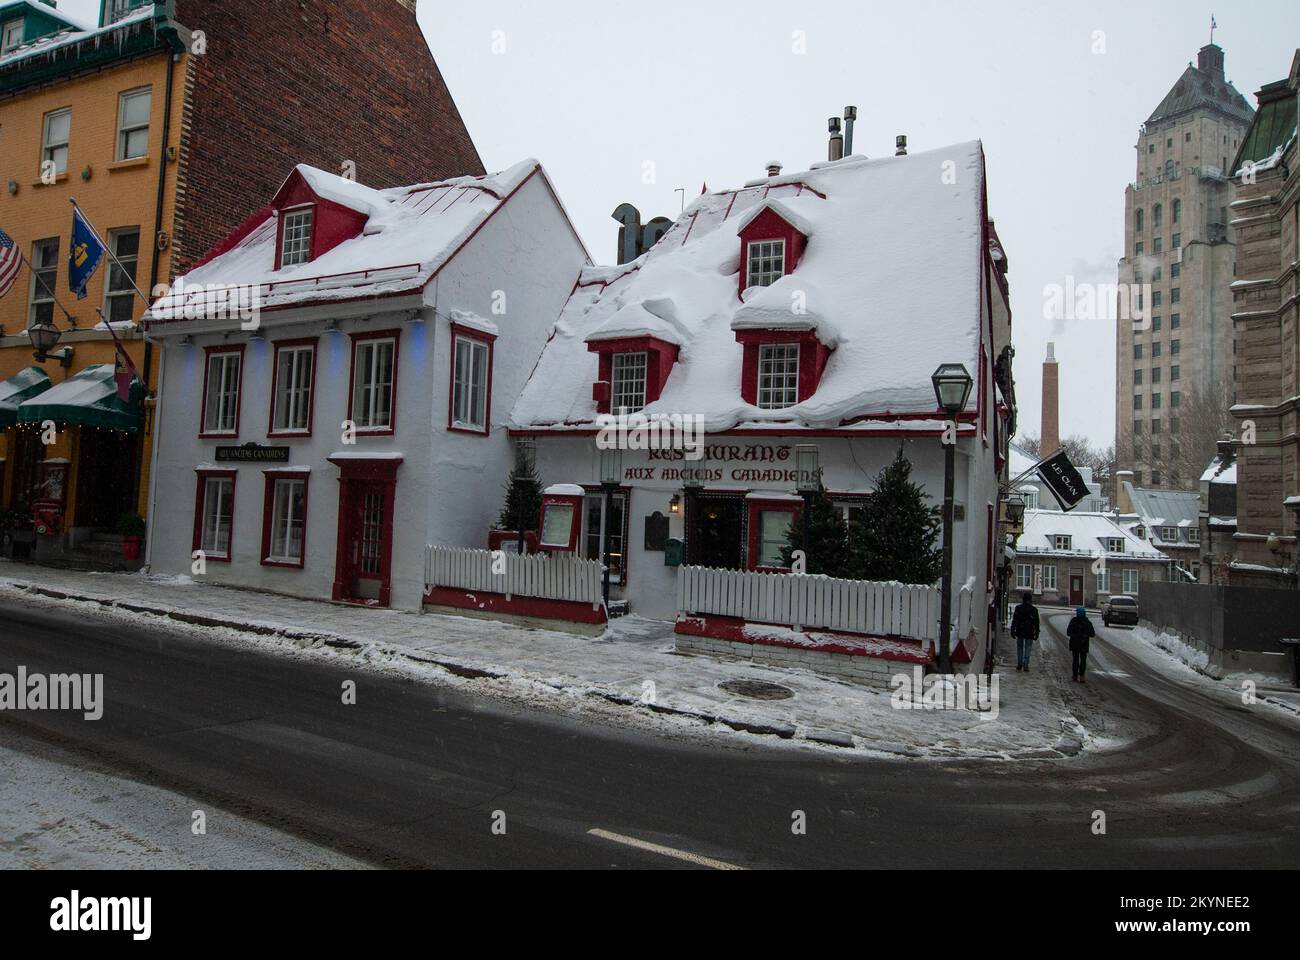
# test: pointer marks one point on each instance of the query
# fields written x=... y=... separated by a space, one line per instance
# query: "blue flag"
x=86 y=255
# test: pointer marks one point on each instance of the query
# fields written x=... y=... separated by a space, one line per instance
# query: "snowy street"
x=425 y=762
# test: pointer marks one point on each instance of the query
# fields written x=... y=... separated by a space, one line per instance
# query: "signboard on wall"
x=252 y=453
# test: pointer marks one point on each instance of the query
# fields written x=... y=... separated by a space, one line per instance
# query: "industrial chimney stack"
x=1051 y=432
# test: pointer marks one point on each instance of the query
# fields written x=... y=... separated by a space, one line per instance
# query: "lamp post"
x=44 y=336
x=611 y=478
x=952 y=388
x=808 y=482
x=693 y=483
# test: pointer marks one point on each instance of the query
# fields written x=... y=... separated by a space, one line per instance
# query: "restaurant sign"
x=252 y=453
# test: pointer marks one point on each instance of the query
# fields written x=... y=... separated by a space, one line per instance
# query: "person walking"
x=1025 y=625
x=1080 y=631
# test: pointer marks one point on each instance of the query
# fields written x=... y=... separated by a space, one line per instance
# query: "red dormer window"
x=771 y=246
x=310 y=225
x=781 y=368
x=632 y=374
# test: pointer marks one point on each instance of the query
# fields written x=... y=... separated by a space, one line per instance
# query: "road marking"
x=689 y=857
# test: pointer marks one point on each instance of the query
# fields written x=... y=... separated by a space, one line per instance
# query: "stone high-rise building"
x=1178 y=239
x=1266 y=211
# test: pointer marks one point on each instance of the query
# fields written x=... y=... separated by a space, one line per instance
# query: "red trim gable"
x=332 y=223
x=660 y=357
x=770 y=225
x=813 y=356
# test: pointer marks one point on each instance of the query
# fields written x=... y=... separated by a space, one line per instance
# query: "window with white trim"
x=54 y=140
x=1024 y=576
x=372 y=388
x=13 y=35
x=295 y=245
x=1062 y=542
x=778 y=375
x=288 y=521
x=1130 y=577
x=221 y=405
x=293 y=373
x=1115 y=545
x=133 y=110
x=218 y=512
x=1103 y=580
x=1049 y=577
x=1194 y=535
x=766 y=262
x=119 y=292
x=1169 y=534
x=627 y=382
x=773 y=536
x=45 y=275
x=469 y=389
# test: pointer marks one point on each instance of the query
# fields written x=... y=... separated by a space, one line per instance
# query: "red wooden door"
x=363 y=572
x=1076 y=590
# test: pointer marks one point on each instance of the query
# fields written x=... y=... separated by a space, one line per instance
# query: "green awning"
x=88 y=399
x=23 y=385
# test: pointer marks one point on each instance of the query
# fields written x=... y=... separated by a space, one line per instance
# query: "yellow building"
x=90 y=114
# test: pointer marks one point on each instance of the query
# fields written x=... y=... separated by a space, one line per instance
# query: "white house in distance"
x=1081 y=559
x=364 y=416
x=805 y=308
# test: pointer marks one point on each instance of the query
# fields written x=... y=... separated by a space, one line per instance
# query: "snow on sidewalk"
x=629 y=675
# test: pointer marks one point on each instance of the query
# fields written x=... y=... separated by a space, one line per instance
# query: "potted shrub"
x=131 y=529
x=17 y=533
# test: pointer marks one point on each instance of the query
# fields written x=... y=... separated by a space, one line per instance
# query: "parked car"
x=1120 y=610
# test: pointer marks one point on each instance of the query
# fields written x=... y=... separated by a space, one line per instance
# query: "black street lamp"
x=611 y=479
x=808 y=482
x=952 y=388
x=43 y=336
x=1015 y=510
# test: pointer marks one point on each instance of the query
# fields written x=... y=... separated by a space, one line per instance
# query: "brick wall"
x=323 y=83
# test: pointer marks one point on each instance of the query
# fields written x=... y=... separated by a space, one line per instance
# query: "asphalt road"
x=411 y=775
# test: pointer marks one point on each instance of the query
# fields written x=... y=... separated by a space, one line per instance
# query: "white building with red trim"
x=807 y=308
x=360 y=416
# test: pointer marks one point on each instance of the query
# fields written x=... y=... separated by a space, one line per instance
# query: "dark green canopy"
x=23 y=385
x=89 y=399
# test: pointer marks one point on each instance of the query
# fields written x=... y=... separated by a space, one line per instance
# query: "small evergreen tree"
x=828 y=539
x=523 y=506
x=898 y=537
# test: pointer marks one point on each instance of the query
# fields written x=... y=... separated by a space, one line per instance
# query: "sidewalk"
x=630 y=675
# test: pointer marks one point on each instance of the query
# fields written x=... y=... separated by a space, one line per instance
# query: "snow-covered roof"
x=1088 y=532
x=410 y=234
x=75 y=31
x=1164 y=508
x=1216 y=472
x=890 y=276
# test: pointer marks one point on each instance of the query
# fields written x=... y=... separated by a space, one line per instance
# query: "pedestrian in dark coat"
x=1025 y=625
x=1080 y=631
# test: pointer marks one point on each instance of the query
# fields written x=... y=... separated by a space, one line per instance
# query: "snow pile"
x=1176 y=647
x=890 y=278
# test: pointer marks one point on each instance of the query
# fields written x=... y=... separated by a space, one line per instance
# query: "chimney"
x=774 y=168
x=836 y=151
x=850 y=117
x=900 y=145
x=1210 y=61
x=1051 y=430
x=1123 y=502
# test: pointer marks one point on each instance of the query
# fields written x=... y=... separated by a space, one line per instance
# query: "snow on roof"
x=76 y=31
x=770 y=308
x=892 y=275
x=1216 y=472
x=466 y=318
x=1088 y=533
x=644 y=318
x=411 y=233
x=1164 y=507
x=783 y=210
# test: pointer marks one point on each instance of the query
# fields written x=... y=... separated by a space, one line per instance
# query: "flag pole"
x=109 y=250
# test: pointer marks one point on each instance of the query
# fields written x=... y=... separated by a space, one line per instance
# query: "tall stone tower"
x=1177 y=363
x=1051 y=426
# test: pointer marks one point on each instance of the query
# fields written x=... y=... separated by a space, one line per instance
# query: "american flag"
x=11 y=261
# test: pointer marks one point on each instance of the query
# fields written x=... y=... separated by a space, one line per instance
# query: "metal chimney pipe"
x=900 y=145
x=836 y=151
x=850 y=117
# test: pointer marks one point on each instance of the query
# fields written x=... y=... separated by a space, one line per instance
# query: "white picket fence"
x=540 y=576
x=813 y=602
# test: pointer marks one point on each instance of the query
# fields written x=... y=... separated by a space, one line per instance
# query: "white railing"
x=803 y=602
x=539 y=576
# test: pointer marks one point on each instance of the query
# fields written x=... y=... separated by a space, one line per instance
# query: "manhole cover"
x=757 y=689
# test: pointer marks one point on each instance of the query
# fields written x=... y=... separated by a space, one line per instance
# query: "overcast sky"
x=710 y=90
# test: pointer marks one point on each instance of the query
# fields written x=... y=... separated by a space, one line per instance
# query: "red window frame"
x=813 y=357
x=755 y=508
x=279 y=345
x=766 y=227
x=200 y=502
x=208 y=354
x=268 y=516
x=660 y=358
x=358 y=338
x=459 y=330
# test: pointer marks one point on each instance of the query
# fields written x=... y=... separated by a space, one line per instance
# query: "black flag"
x=1064 y=480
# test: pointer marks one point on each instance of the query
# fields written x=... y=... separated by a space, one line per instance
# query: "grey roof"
x=1165 y=508
x=1198 y=90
